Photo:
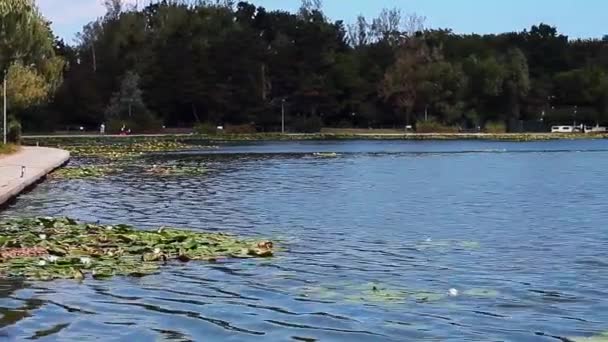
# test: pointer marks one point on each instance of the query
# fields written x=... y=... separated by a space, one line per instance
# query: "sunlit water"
x=518 y=229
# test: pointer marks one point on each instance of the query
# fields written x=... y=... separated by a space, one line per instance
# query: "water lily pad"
x=72 y=250
x=470 y=244
x=83 y=172
x=325 y=155
x=603 y=337
x=426 y=296
x=485 y=293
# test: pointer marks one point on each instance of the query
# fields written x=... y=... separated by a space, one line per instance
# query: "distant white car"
x=596 y=129
x=562 y=129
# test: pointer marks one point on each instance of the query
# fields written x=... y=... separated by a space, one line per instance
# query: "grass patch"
x=8 y=148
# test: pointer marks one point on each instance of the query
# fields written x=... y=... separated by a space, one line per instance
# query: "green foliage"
x=433 y=126
x=193 y=62
x=62 y=248
x=27 y=56
x=495 y=127
x=240 y=129
x=205 y=128
x=13 y=133
x=127 y=106
x=311 y=124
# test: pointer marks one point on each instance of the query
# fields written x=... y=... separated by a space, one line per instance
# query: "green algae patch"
x=62 y=248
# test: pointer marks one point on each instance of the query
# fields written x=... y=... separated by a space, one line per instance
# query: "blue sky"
x=575 y=18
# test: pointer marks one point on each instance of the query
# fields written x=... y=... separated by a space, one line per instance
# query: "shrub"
x=307 y=125
x=240 y=129
x=433 y=126
x=147 y=123
x=496 y=127
x=205 y=128
x=13 y=132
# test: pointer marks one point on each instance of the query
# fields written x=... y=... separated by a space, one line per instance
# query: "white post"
x=283 y=116
x=4 y=111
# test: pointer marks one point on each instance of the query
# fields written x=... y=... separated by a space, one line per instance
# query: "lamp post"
x=4 y=106
x=283 y=116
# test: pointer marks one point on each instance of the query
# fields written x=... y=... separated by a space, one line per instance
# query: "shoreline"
x=26 y=167
x=39 y=139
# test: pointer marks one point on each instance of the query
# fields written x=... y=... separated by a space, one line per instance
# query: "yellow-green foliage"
x=26 y=86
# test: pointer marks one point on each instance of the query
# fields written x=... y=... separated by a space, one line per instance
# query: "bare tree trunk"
x=264 y=95
x=195 y=113
x=94 y=57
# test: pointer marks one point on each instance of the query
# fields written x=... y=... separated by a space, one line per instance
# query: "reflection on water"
x=373 y=239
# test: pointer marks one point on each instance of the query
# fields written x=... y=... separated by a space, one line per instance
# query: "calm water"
x=519 y=229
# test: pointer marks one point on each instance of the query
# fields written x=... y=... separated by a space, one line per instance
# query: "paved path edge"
x=38 y=162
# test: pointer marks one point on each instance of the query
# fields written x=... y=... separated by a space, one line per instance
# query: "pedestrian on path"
x=102 y=129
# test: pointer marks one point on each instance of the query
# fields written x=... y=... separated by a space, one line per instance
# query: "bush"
x=240 y=129
x=495 y=127
x=148 y=123
x=307 y=125
x=13 y=132
x=433 y=126
x=205 y=128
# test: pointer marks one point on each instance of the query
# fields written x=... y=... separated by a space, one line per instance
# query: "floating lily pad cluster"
x=380 y=294
x=62 y=248
x=127 y=149
x=603 y=337
x=81 y=172
x=325 y=155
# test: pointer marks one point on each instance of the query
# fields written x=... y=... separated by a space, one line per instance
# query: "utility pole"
x=283 y=116
x=4 y=110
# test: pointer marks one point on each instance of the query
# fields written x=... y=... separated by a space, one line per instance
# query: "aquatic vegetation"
x=325 y=155
x=62 y=248
x=119 y=149
x=426 y=296
x=381 y=294
x=81 y=172
x=371 y=293
x=603 y=337
x=482 y=293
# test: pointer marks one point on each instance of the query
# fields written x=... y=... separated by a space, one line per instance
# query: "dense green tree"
x=223 y=62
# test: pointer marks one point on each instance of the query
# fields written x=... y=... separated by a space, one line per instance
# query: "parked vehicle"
x=596 y=129
x=563 y=129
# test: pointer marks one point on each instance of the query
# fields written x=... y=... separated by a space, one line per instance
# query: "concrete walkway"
x=26 y=167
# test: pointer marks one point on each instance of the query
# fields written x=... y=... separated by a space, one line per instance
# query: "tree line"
x=185 y=63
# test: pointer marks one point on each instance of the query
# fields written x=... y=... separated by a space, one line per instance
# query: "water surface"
x=519 y=229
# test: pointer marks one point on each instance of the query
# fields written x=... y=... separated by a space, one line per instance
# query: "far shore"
x=36 y=138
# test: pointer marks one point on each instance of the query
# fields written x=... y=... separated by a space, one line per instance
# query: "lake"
x=372 y=242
